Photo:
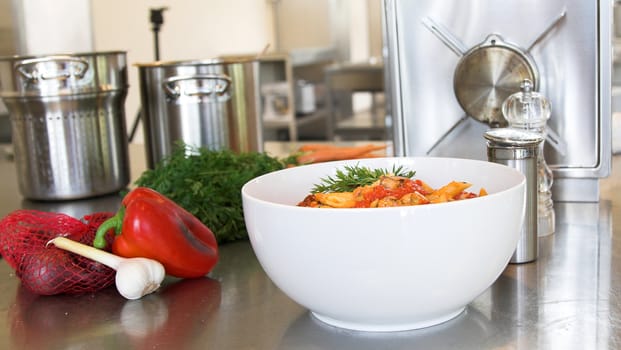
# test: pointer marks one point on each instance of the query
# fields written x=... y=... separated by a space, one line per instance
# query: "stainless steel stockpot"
x=68 y=123
x=212 y=103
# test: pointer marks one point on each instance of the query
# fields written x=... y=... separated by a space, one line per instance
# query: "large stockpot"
x=210 y=103
x=68 y=123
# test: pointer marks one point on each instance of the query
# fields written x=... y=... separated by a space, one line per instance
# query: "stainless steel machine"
x=450 y=64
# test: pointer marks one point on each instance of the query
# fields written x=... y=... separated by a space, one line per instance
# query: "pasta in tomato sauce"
x=391 y=191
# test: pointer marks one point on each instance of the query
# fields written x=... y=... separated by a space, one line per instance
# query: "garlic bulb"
x=135 y=277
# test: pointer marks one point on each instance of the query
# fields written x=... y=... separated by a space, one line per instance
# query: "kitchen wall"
x=302 y=23
x=7 y=44
x=353 y=27
x=38 y=27
x=45 y=27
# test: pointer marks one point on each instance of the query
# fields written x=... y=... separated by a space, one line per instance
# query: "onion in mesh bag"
x=49 y=270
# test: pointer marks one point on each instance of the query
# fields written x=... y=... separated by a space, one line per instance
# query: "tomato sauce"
x=379 y=192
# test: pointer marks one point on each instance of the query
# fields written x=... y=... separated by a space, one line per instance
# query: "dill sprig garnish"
x=350 y=177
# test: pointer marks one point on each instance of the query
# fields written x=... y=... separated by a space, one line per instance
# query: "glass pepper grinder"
x=529 y=110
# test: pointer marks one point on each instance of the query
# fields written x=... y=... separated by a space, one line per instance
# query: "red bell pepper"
x=150 y=225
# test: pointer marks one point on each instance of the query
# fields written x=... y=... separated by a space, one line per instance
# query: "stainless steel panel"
x=573 y=60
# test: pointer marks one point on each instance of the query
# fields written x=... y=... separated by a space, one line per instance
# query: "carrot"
x=368 y=155
x=310 y=147
x=337 y=153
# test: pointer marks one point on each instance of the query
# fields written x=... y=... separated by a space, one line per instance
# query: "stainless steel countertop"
x=570 y=298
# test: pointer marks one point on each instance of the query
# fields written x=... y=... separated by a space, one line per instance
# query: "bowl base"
x=396 y=327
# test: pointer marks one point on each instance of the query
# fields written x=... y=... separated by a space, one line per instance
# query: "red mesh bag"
x=48 y=270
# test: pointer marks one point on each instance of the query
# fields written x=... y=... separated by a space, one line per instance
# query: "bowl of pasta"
x=385 y=244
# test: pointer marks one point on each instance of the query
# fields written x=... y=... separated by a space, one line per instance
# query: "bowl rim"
x=341 y=163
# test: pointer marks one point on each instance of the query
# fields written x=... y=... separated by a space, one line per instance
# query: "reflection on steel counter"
x=77 y=208
x=167 y=319
x=468 y=330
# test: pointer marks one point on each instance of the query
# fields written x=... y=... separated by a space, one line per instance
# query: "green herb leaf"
x=355 y=176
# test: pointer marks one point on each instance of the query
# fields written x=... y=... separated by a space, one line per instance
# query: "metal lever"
x=555 y=140
x=551 y=26
x=447 y=133
x=450 y=40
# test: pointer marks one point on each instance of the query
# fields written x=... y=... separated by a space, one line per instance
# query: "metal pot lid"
x=512 y=138
x=223 y=61
x=489 y=73
x=14 y=58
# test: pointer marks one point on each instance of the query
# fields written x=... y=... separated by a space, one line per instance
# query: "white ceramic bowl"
x=386 y=269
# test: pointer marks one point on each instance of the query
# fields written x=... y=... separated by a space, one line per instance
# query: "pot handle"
x=36 y=69
x=197 y=85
